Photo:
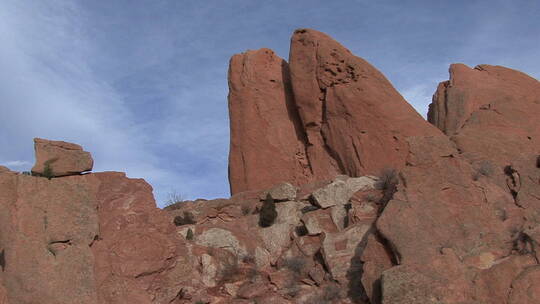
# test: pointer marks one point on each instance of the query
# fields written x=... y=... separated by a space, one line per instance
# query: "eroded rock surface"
x=324 y=113
x=456 y=220
x=60 y=158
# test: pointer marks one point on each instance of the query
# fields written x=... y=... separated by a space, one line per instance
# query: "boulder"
x=341 y=251
x=319 y=221
x=278 y=237
x=60 y=158
x=340 y=191
x=282 y=192
x=376 y=258
x=332 y=194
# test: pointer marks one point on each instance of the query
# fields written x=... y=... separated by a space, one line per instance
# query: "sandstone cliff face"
x=95 y=238
x=265 y=124
x=490 y=112
x=325 y=113
x=456 y=221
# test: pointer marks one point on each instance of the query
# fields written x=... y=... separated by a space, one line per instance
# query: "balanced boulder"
x=60 y=158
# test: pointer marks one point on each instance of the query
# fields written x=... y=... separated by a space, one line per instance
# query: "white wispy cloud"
x=17 y=163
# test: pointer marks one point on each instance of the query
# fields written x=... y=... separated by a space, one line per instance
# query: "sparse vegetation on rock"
x=174 y=200
x=189 y=234
x=268 y=213
x=387 y=183
x=186 y=219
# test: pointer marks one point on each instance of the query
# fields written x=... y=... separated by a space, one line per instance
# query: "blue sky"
x=143 y=84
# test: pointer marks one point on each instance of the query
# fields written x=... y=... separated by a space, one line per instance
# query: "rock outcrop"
x=326 y=112
x=60 y=158
x=454 y=219
x=490 y=112
x=458 y=225
x=94 y=238
x=264 y=124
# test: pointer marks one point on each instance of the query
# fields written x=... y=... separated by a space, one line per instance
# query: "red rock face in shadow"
x=267 y=135
x=341 y=117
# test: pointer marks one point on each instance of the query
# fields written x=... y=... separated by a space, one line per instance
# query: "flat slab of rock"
x=341 y=190
x=333 y=194
x=62 y=157
x=282 y=192
x=340 y=249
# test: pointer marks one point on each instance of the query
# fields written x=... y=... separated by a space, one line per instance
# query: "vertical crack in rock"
x=3 y=259
x=95 y=239
x=294 y=115
x=513 y=181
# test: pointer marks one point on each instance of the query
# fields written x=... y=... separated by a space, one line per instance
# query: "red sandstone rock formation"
x=490 y=112
x=266 y=130
x=457 y=223
x=61 y=158
x=342 y=116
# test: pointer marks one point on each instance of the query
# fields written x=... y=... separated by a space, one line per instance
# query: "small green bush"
x=2 y=260
x=268 y=213
x=388 y=181
x=309 y=208
x=189 y=235
x=301 y=230
x=174 y=201
x=246 y=210
x=295 y=264
x=47 y=169
x=187 y=219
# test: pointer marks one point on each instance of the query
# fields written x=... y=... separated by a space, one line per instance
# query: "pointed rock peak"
x=325 y=113
x=488 y=106
x=351 y=113
x=470 y=89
